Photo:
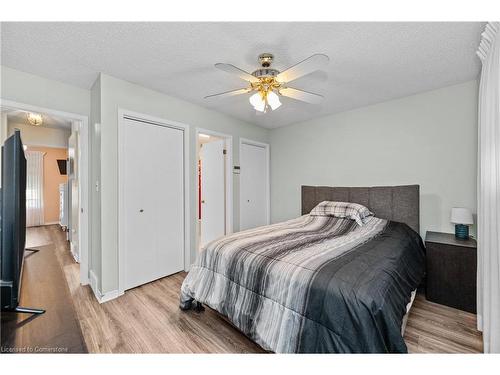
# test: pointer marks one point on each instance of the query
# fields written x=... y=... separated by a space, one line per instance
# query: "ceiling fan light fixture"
x=268 y=84
x=34 y=119
x=262 y=102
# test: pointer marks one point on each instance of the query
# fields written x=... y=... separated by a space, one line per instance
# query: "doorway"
x=56 y=148
x=214 y=186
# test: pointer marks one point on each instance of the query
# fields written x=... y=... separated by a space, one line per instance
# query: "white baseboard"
x=51 y=223
x=73 y=252
x=101 y=298
x=93 y=285
x=110 y=295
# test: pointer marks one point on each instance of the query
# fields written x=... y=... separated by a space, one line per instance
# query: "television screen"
x=61 y=163
x=13 y=213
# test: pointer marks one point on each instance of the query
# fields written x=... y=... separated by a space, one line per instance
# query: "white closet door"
x=253 y=186
x=212 y=191
x=153 y=201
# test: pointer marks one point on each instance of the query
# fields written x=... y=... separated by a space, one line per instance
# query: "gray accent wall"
x=429 y=139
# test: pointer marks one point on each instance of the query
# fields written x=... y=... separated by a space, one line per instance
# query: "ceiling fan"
x=269 y=83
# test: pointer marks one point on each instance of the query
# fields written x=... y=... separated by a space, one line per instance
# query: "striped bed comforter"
x=315 y=284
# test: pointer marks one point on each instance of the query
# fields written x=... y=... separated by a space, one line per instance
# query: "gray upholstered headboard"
x=397 y=203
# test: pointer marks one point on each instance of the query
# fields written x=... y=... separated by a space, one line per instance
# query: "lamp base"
x=462 y=231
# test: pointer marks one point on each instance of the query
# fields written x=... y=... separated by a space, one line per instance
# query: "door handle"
x=203 y=201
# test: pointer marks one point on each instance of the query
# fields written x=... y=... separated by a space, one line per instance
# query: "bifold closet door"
x=153 y=201
x=253 y=186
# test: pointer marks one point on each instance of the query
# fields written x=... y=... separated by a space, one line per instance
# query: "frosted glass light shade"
x=461 y=215
x=34 y=119
x=257 y=102
x=273 y=100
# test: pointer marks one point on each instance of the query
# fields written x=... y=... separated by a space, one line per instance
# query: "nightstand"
x=451 y=271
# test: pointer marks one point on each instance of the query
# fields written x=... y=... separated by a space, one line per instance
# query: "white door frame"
x=229 y=178
x=122 y=113
x=268 y=174
x=84 y=234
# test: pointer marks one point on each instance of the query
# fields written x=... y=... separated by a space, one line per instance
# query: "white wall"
x=95 y=269
x=26 y=88
x=40 y=136
x=3 y=127
x=42 y=92
x=3 y=134
x=428 y=139
x=37 y=91
x=117 y=94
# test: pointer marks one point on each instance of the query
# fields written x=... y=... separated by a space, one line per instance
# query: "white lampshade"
x=257 y=102
x=460 y=215
x=34 y=119
x=273 y=100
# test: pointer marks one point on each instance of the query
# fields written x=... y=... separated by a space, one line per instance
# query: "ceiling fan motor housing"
x=265 y=60
x=265 y=72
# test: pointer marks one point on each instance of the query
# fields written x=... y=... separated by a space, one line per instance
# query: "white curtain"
x=34 y=188
x=488 y=215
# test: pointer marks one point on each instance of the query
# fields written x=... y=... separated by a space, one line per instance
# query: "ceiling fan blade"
x=239 y=72
x=228 y=93
x=301 y=95
x=304 y=67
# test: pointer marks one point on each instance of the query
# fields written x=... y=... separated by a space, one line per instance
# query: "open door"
x=74 y=204
x=212 y=191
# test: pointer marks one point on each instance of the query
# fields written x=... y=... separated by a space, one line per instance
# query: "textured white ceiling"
x=369 y=62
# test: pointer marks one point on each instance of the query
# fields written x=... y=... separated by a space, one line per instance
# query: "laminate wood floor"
x=147 y=319
x=43 y=286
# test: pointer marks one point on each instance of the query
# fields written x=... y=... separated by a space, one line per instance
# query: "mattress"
x=315 y=284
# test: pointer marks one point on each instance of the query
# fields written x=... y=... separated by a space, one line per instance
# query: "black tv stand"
x=28 y=310
x=32 y=250
x=25 y=310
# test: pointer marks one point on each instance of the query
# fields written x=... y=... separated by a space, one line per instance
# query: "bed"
x=319 y=284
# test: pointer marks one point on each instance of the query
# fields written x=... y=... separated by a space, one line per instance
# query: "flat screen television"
x=13 y=223
x=61 y=163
